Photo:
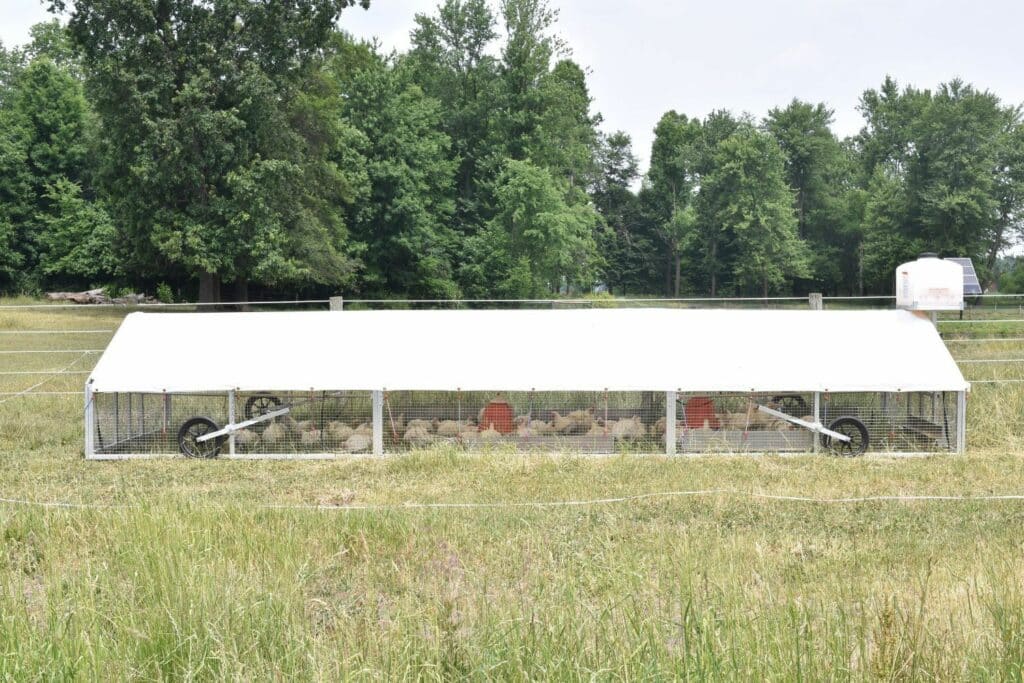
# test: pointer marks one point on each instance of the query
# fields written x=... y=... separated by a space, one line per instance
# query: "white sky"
x=649 y=56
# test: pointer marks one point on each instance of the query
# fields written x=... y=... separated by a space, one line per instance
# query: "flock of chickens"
x=340 y=435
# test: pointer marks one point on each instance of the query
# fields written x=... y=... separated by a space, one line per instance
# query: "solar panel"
x=971 y=285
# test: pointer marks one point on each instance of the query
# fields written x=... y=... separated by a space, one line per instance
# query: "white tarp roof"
x=653 y=349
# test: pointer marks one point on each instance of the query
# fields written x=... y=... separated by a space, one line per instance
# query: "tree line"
x=229 y=149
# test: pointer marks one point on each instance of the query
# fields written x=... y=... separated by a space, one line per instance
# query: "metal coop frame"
x=330 y=384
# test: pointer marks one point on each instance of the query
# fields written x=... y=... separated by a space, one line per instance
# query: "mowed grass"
x=228 y=569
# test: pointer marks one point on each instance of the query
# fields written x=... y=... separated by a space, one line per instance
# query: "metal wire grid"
x=575 y=422
x=328 y=423
x=894 y=422
x=153 y=424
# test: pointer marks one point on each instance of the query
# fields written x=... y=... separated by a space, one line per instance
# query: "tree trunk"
x=241 y=293
x=714 y=275
x=764 y=288
x=209 y=287
x=860 y=271
x=679 y=262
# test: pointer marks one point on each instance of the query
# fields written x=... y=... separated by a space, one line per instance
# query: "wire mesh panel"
x=875 y=422
x=899 y=422
x=312 y=422
x=731 y=423
x=575 y=422
x=281 y=423
x=316 y=424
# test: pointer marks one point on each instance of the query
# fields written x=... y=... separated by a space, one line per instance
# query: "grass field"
x=219 y=569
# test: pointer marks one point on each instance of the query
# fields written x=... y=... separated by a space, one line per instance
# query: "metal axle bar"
x=246 y=423
x=813 y=426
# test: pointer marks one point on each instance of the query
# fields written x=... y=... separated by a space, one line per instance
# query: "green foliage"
x=950 y=176
x=77 y=239
x=625 y=246
x=404 y=222
x=752 y=207
x=231 y=141
x=820 y=171
x=537 y=241
x=164 y=293
x=205 y=168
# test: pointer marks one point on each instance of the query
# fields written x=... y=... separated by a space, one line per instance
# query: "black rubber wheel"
x=194 y=428
x=792 y=404
x=851 y=427
x=260 y=404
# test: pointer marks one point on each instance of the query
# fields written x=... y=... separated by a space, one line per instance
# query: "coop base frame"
x=672 y=439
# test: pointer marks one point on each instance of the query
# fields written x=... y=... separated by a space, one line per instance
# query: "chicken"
x=576 y=422
x=417 y=435
x=630 y=428
x=246 y=439
x=310 y=437
x=275 y=433
x=449 y=428
x=424 y=424
x=358 y=443
x=338 y=432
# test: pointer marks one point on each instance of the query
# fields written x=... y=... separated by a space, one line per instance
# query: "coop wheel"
x=192 y=430
x=260 y=404
x=851 y=427
x=791 y=404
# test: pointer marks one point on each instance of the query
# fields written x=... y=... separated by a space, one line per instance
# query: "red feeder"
x=498 y=414
x=701 y=409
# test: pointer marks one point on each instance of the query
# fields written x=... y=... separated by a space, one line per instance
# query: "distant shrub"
x=164 y=293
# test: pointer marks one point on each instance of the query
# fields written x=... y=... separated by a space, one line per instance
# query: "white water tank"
x=930 y=284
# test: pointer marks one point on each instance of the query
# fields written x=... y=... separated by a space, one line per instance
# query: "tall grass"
x=194 y=575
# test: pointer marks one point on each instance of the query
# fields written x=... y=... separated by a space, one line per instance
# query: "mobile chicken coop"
x=322 y=384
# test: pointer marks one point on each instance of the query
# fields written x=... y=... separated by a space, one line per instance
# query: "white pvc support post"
x=90 y=422
x=336 y=303
x=378 y=422
x=670 y=423
x=817 y=418
x=231 y=421
x=815 y=301
x=961 y=421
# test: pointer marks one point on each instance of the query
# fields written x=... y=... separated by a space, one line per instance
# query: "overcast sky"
x=650 y=56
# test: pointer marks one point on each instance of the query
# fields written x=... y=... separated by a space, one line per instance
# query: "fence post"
x=90 y=419
x=231 y=421
x=670 y=423
x=961 y=421
x=336 y=303
x=378 y=422
x=817 y=418
x=815 y=301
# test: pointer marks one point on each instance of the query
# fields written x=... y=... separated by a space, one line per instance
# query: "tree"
x=821 y=173
x=886 y=242
x=566 y=140
x=78 y=238
x=525 y=62
x=670 y=187
x=49 y=131
x=536 y=241
x=754 y=209
x=942 y=175
x=16 y=196
x=449 y=61
x=403 y=224
x=201 y=158
x=952 y=176
x=628 y=252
